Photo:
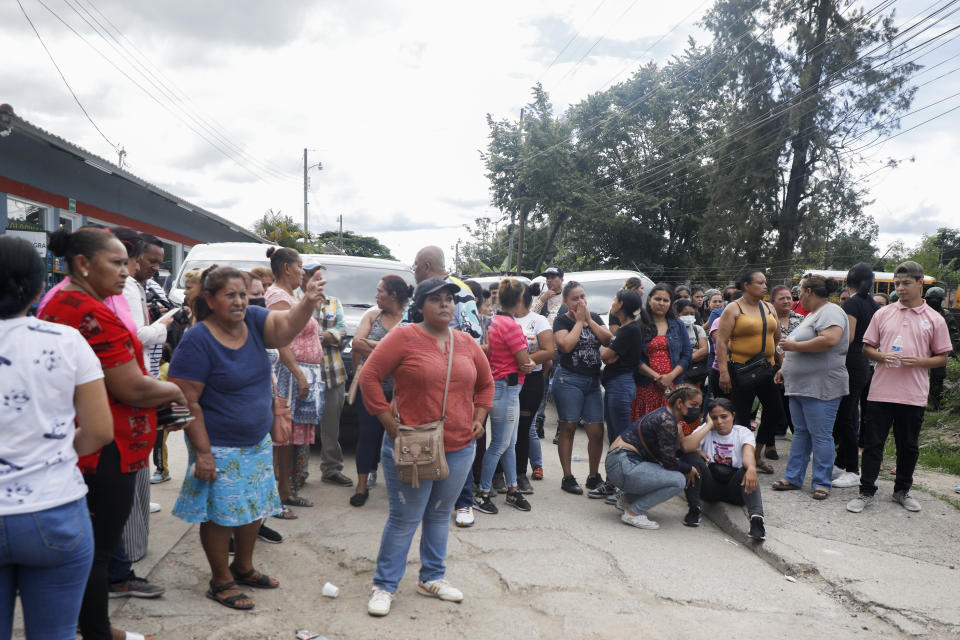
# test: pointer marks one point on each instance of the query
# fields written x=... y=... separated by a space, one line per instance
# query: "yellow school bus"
x=882 y=280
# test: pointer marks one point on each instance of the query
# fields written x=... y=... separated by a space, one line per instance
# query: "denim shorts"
x=578 y=397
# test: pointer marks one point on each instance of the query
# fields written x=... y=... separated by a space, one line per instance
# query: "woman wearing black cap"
x=416 y=356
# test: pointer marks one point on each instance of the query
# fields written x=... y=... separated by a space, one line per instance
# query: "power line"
x=575 y=35
x=593 y=46
x=174 y=94
x=62 y=77
x=149 y=94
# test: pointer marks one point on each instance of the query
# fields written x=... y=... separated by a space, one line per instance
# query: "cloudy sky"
x=390 y=96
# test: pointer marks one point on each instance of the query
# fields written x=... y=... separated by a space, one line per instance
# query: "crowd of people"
x=682 y=390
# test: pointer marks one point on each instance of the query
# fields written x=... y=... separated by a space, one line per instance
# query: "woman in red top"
x=416 y=357
x=97 y=262
x=509 y=361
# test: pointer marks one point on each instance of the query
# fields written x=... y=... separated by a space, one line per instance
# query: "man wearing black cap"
x=549 y=301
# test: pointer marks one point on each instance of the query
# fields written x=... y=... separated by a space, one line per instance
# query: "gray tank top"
x=378 y=332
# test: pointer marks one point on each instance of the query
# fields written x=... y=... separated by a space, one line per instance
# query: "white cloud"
x=391 y=96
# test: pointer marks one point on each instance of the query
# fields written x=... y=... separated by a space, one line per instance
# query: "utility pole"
x=513 y=214
x=305 y=179
x=340 y=236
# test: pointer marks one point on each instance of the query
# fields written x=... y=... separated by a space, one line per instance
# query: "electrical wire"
x=64 y=78
x=576 y=34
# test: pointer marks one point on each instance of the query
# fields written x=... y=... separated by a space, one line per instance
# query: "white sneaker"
x=154 y=507
x=464 y=517
x=837 y=472
x=860 y=503
x=380 y=600
x=440 y=588
x=904 y=499
x=641 y=521
x=847 y=480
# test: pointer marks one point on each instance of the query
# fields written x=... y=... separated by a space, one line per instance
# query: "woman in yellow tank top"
x=741 y=336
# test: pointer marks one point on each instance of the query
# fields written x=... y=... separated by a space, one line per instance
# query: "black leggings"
x=769 y=395
x=369 y=436
x=530 y=396
x=707 y=488
x=846 y=426
x=109 y=498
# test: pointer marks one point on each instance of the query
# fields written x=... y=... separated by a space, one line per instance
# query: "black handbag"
x=697 y=372
x=757 y=371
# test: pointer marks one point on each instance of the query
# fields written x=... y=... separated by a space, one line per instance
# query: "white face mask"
x=687 y=320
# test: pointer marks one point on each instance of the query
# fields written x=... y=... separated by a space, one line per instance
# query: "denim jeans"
x=46 y=555
x=644 y=484
x=536 y=452
x=430 y=504
x=504 y=418
x=578 y=397
x=620 y=393
x=812 y=433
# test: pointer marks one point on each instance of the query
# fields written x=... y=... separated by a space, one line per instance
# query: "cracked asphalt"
x=571 y=569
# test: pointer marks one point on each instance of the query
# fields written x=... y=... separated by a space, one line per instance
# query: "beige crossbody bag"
x=418 y=449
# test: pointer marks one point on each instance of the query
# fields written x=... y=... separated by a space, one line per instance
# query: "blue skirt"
x=245 y=489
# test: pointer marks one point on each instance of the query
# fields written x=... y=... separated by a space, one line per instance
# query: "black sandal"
x=261 y=581
x=228 y=601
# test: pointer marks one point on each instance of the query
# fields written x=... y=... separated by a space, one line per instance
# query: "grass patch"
x=939 y=443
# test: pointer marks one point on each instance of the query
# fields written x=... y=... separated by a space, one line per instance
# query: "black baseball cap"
x=432 y=285
x=553 y=271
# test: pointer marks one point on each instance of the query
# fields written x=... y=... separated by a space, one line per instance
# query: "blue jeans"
x=578 y=397
x=620 y=393
x=504 y=418
x=430 y=504
x=46 y=555
x=536 y=453
x=812 y=432
x=644 y=484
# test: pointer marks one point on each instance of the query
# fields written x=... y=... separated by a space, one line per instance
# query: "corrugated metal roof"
x=9 y=120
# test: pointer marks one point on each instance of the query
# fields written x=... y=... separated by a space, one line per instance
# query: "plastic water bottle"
x=897 y=349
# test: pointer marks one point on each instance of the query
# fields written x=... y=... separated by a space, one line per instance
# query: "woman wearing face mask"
x=664 y=353
x=723 y=453
x=642 y=461
x=579 y=334
x=255 y=291
x=686 y=314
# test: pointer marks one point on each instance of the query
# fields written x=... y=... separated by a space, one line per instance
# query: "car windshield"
x=356 y=285
x=243 y=265
x=600 y=293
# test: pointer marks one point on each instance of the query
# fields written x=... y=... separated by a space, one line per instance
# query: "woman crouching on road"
x=642 y=461
x=723 y=453
x=222 y=367
x=416 y=356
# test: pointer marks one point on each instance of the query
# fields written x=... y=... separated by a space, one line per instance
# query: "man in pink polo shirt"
x=906 y=338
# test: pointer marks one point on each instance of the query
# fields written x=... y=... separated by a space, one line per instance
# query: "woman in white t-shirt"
x=540 y=347
x=724 y=454
x=49 y=376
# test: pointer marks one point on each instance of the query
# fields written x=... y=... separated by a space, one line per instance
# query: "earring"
x=86 y=273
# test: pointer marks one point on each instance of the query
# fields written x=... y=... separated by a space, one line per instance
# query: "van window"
x=243 y=265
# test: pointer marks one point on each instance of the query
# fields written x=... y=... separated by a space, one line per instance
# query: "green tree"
x=273 y=226
x=353 y=245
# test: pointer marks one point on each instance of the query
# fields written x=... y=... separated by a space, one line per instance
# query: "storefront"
x=47 y=183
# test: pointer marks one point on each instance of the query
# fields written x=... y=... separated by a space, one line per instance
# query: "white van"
x=352 y=280
x=601 y=286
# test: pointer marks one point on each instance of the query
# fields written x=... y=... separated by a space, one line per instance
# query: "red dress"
x=134 y=428
x=651 y=397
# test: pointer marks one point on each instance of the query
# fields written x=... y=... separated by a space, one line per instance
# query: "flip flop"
x=820 y=494
x=297 y=501
x=254 y=578
x=229 y=601
x=783 y=485
x=286 y=514
x=764 y=467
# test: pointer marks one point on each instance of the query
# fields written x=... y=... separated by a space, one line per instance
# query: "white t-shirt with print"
x=728 y=449
x=533 y=324
x=41 y=364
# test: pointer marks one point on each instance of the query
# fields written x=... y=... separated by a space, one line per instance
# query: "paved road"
x=569 y=569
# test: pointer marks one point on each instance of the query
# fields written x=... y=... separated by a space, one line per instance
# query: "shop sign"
x=37 y=238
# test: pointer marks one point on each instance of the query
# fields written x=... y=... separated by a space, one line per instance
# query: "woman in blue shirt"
x=224 y=372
